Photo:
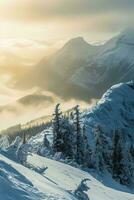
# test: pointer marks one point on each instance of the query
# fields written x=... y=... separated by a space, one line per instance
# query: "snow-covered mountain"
x=51 y=71
x=112 y=64
x=87 y=71
x=69 y=58
x=115 y=110
x=111 y=123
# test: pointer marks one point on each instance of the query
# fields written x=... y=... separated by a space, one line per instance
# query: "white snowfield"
x=58 y=182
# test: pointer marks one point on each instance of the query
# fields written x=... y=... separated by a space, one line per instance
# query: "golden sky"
x=54 y=20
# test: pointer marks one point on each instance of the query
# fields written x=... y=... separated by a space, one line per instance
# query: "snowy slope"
x=58 y=182
x=19 y=182
x=68 y=178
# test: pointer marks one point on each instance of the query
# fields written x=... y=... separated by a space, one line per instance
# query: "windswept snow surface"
x=19 y=183
x=58 y=182
x=114 y=111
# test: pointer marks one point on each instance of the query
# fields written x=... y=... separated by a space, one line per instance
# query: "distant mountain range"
x=83 y=71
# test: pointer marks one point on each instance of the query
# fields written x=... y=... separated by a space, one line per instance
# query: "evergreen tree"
x=13 y=148
x=67 y=130
x=45 y=142
x=86 y=151
x=78 y=132
x=23 y=152
x=4 y=142
x=57 y=135
x=122 y=160
x=116 y=154
x=100 y=144
x=24 y=138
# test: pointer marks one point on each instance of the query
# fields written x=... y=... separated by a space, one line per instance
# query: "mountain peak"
x=77 y=42
x=77 y=39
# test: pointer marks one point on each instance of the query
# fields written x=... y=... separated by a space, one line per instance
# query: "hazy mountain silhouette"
x=83 y=71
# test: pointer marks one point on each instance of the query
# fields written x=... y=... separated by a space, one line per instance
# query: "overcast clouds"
x=115 y=13
x=27 y=9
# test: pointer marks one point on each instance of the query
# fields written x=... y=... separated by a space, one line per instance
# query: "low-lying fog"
x=22 y=112
x=21 y=97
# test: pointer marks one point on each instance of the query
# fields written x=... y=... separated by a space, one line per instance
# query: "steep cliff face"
x=110 y=132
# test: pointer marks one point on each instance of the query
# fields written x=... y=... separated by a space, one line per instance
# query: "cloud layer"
x=28 y=9
x=109 y=14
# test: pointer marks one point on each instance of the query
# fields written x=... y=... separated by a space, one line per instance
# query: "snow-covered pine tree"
x=87 y=152
x=11 y=151
x=46 y=142
x=78 y=132
x=67 y=131
x=44 y=148
x=117 y=154
x=100 y=145
x=71 y=115
x=4 y=142
x=24 y=138
x=123 y=165
x=57 y=135
x=23 y=152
